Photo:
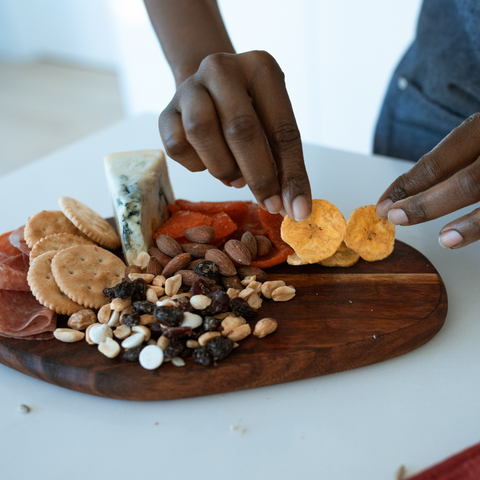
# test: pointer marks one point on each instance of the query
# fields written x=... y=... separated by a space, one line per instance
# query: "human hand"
x=443 y=181
x=234 y=118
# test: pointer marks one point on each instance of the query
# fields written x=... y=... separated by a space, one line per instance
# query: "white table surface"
x=414 y=410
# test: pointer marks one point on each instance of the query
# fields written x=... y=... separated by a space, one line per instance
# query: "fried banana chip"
x=319 y=236
x=372 y=238
x=343 y=257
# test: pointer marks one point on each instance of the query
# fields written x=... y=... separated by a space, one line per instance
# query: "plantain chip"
x=343 y=257
x=319 y=236
x=369 y=236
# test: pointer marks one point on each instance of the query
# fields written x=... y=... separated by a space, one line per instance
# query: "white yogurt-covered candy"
x=151 y=357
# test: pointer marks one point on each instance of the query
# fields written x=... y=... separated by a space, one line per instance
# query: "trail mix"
x=180 y=301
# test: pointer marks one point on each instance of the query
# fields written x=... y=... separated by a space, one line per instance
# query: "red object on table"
x=462 y=466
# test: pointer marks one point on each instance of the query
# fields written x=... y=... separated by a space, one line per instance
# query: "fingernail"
x=397 y=217
x=238 y=183
x=449 y=239
x=383 y=207
x=300 y=208
x=282 y=212
x=273 y=204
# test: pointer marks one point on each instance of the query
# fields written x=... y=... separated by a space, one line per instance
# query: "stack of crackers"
x=326 y=238
x=68 y=268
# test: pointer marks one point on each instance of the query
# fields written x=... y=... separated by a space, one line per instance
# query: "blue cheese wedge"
x=141 y=191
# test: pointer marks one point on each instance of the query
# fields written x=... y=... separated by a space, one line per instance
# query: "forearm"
x=189 y=31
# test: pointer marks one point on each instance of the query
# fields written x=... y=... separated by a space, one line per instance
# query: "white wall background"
x=337 y=56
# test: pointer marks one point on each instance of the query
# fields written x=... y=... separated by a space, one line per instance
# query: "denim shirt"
x=436 y=86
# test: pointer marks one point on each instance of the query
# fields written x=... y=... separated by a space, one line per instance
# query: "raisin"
x=131 y=320
x=109 y=292
x=139 y=290
x=201 y=356
x=187 y=352
x=210 y=324
x=219 y=347
x=123 y=289
x=177 y=332
x=241 y=308
x=173 y=349
x=184 y=304
x=144 y=307
x=169 y=316
x=207 y=269
x=220 y=302
x=132 y=354
x=200 y=287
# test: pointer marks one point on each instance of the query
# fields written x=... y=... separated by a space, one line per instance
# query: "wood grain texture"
x=340 y=319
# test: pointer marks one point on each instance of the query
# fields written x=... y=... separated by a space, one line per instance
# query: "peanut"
x=283 y=294
x=269 y=287
x=104 y=313
x=239 y=333
x=254 y=301
x=82 y=319
x=142 y=260
x=264 y=327
x=173 y=284
x=68 y=335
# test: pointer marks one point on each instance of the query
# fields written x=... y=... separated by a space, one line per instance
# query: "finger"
x=278 y=121
x=204 y=133
x=457 y=150
x=461 y=232
x=175 y=141
x=460 y=190
x=241 y=128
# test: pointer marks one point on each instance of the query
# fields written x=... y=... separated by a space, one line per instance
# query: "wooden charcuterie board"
x=340 y=319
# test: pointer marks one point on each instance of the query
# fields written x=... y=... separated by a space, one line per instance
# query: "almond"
x=252 y=271
x=232 y=282
x=238 y=252
x=197 y=250
x=176 y=263
x=168 y=246
x=132 y=269
x=154 y=267
x=224 y=264
x=201 y=234
x=264 y=245
x=161 y=257
x=189 y=277
x=249 y=240
x=194 y=263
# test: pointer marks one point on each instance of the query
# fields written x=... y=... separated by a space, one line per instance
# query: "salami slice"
x=6 y=247
x=13 y=272
x=21 y=316
x=17 y=240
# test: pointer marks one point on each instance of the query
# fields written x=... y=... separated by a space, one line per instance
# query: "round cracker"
x=343 y=257
x=57 y=242
x=319 y=236
x=48 y=222
x=89 y=222
x=83 y=271
x=45 y=289
x=371 y=237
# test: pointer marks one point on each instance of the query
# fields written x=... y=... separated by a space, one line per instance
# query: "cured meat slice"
x=21 y=316
x=13 y=272
x=17 y=240
x=6 y=247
